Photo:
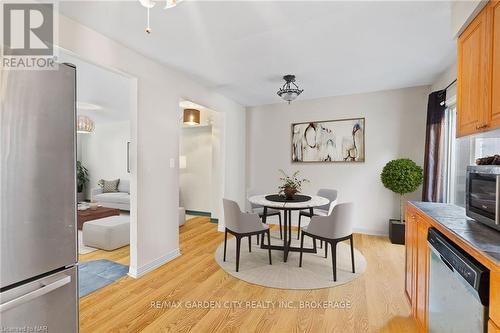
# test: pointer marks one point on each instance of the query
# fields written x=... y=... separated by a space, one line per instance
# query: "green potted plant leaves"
x=291 y=184
x=82 y=178
x=401 y=176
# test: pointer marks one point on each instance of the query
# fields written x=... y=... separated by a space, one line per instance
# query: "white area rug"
x=316 y=271
x=82 y=249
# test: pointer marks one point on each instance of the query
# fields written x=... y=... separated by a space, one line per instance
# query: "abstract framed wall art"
x=340 y=140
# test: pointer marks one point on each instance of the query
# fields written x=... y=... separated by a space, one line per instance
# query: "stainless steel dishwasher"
x=458 y=289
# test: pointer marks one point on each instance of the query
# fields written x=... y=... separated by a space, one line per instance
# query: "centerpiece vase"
x=289 y=192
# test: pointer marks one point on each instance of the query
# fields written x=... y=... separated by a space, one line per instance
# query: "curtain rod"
x=452 y=82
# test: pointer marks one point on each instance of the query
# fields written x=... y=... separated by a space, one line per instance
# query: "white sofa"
x=119 y=200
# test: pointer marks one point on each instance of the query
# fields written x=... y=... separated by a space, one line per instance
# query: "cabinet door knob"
x=481 y=126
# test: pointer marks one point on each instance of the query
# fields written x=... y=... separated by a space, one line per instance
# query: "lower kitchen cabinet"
x=417 y=268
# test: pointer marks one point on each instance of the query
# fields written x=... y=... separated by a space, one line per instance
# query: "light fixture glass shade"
x=191 y=117
x=147 y=3
x=290 y=89
x=182 y=162
x=289 y=96
x=84 y=125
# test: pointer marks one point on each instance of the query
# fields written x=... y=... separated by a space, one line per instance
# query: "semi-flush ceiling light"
x=191 y=117
x=151 y=3
x=290 y=90
x=84 y=125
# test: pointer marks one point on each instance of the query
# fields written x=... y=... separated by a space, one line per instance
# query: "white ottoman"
x=108 y=233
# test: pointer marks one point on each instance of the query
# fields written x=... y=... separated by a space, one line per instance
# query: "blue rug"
x=93 y=275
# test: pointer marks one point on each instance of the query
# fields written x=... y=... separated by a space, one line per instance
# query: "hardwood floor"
x=165 y=300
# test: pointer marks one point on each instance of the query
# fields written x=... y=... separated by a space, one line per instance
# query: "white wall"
x=155 y=141
x=104 y=152
x=196 y=180
x=395 y=128
x=445 y=78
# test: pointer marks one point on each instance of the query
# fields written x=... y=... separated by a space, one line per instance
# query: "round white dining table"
x=287 y=208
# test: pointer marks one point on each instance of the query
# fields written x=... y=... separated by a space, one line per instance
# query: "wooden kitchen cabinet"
x=473 y=76
x=422 y=273
x=417 y=266
x=495 y=297
x=410 y=230
x=492 y=327
x=494 y=8
x=478 y=75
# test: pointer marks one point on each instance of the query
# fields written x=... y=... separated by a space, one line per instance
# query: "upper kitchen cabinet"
x=474 y=76
x=495 y=81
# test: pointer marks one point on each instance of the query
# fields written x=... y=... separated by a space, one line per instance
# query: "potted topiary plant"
x=82 y=177
x=401 y=176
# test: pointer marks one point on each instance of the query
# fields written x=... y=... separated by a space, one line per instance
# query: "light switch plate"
x=172 y=163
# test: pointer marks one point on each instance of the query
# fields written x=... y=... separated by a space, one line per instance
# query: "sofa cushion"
x=124 y=186
x=109 y=185
x=116 y=197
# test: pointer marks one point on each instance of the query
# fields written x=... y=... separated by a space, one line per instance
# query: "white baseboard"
x=370 y=232
x=138 y=272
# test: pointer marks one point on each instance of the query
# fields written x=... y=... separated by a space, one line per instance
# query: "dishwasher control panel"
x=472 y=271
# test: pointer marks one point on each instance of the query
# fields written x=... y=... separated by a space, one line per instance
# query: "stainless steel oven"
x=483 y=194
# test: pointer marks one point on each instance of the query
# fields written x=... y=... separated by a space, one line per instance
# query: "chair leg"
x=225 y=243
x=352 y=254
x=298 y=231
x=238 y=244
x=334 y=260
x=326 y=249
x=281 y=228
x=249 y=243
x=301 y=248
x=315 y=247
x=269 y=243
x=320 y=244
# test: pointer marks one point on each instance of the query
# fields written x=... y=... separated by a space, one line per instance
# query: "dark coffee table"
x=99 y=213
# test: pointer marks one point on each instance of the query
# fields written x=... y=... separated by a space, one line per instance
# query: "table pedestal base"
x=287 y=231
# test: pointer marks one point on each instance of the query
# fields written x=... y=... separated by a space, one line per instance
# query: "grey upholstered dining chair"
x=332 y=229
x=321 y=210
x=258 y=209
x=243 y=225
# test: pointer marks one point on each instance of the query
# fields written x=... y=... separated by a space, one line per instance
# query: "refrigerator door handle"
x=35 y=294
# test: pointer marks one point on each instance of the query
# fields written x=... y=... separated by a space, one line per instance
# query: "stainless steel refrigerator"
x=38 y=249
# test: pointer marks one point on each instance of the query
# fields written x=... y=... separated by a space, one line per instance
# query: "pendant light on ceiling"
x=191 y=117
x=84 y=125
x=290 y=89
x=151 y=3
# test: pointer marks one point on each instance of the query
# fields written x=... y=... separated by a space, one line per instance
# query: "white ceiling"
x=243 y=48
x=103 y=94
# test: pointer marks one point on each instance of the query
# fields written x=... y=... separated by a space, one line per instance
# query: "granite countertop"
x=453 y=218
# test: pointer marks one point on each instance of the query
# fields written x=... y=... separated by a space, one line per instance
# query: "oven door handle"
x=497 y=201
